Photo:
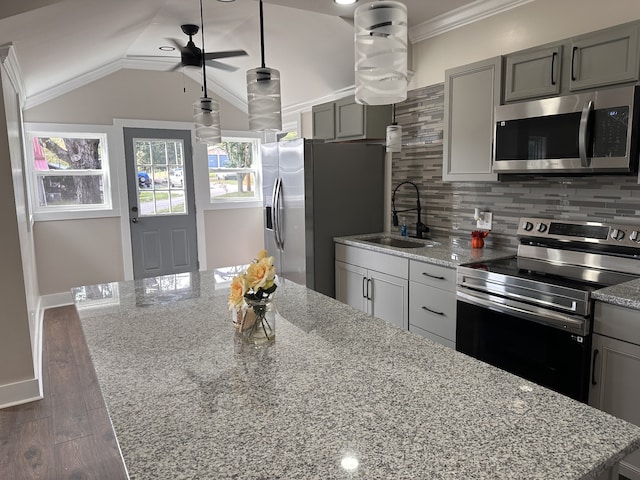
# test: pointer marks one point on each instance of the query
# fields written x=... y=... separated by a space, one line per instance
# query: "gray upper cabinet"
x=345 y=120
x=323 y=121
x=471 y=93
x=605 y=57
x=532 y=73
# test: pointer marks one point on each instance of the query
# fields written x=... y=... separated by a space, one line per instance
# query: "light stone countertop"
x=447 y=251
x=189 y=400
x=454 y=251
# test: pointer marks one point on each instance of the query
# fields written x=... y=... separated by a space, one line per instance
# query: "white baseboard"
x=55 y=300
x=20 y=392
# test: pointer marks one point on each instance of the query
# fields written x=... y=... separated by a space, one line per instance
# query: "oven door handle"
x=542 y=316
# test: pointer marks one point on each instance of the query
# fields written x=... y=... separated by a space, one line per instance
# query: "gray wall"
x=449 y=206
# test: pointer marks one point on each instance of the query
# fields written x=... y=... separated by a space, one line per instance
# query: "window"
x=69 y=171
x=234 y=170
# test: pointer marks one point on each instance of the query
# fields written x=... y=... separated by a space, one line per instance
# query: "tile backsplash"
x=448 y=208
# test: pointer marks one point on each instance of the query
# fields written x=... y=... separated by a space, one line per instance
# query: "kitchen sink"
x=401 y=243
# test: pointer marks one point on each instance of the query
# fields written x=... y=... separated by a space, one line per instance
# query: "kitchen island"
x=340 y=395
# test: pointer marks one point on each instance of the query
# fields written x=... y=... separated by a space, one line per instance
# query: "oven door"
x=498 y=335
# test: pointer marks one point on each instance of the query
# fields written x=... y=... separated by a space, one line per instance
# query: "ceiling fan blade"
x=227 y=54
x=175 y=43
x=177 y=66
x=221 y=66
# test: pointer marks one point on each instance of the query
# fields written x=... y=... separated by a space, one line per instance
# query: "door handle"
x=134 y=220
x=593 y=367
x=583 y=134
x=553 y=67
x=369 y=285
x=364 y=287
x=435 y=312
x=573 y=63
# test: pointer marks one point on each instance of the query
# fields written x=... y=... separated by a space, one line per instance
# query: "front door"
x=161 y=201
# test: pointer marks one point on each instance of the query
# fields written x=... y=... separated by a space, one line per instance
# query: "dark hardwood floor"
x=68 y=434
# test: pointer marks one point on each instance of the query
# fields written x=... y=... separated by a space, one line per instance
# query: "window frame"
x=239 y=202
x=64 y=212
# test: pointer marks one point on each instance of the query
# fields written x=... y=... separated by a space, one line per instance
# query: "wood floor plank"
x=8 y=427
x=111 y=462
x=77 y=459
x=57 y=337
x=34 y=451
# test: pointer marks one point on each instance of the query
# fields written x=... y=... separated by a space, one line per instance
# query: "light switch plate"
x=485 y=222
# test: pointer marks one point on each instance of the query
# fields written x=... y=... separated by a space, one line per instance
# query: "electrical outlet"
x=485 y=221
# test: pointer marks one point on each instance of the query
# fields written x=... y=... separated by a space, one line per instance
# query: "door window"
x=160 y=177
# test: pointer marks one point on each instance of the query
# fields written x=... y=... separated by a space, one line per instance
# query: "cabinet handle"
x=364 y=286
x=553 y=68
x=593 y=367
x=432 y=311
x=433 y=276
x=369 y=285
x=573 y=61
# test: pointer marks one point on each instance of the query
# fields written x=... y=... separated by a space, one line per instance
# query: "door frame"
x=200 y=170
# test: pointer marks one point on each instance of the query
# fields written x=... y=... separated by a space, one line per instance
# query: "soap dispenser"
x=403 y=230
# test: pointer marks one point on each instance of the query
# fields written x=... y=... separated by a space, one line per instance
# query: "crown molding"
x=162 y=64
x=473 y=12
x=9 y=60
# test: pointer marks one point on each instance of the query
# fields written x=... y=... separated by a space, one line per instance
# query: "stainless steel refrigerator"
x=312 y=193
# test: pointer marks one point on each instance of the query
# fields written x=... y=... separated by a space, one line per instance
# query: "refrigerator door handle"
x=277 y=226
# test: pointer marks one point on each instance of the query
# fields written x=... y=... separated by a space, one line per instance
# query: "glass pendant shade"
x=207 y=120
x=394 y=138
x=381 y=53
x=263 y=97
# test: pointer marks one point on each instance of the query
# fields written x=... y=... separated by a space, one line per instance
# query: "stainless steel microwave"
x=587 y=133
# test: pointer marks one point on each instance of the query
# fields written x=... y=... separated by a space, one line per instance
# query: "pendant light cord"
x=204 y=73
x=261 y=35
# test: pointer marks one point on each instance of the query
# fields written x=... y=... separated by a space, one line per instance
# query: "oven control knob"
x=617 y=234
x=528 y=226
x=541 y=227
x=635 y=236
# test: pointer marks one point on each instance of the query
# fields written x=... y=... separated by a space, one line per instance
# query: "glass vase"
x=260 y=322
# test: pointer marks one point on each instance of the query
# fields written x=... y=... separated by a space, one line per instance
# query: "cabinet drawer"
x=617 y=322
x=432 y=310
x=433 y=275
x=381 y=262
x=431 y=336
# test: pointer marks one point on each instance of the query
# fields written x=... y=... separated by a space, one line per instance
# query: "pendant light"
x=263 y=92
x=206 y=110
x=394 y=134
x=381 y=52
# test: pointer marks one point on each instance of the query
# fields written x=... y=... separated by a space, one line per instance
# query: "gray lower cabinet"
x=615 y=376
x=432 y=302
x=471 y=93
x=373 y=282
x=601 y=58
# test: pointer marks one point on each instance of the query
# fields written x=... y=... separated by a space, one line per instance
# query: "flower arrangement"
x=256 y=283
x=249 y=295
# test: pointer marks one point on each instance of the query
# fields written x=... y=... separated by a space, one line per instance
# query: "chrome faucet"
x=420 y=227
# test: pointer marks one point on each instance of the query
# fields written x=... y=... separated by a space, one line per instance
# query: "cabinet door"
x=604 y=58
x=532 y=73
x=615 y=387
x=471 y=93
x=351 y=285
x=323 y=121
x=389 y=298
x=349 y=118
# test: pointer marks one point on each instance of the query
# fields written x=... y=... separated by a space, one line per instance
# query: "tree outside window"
x=69 y=171
x=234 y=170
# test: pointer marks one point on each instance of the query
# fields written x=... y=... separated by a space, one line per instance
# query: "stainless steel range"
x=532 y=314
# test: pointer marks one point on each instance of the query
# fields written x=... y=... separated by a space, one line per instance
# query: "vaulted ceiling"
x=63 y=44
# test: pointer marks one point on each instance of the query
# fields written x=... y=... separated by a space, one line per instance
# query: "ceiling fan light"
x=206 y=116
x=394 y=138
x=263 y=98
x=381 y=52
x=345 y=2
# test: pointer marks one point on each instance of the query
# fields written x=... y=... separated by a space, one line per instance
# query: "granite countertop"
x=445 y=251
x=340 y=395
x=454 y=251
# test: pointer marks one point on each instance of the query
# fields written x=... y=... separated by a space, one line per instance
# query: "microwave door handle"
x=583 y=133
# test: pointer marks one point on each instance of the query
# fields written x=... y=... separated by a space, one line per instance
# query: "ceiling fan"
x=192 y=56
